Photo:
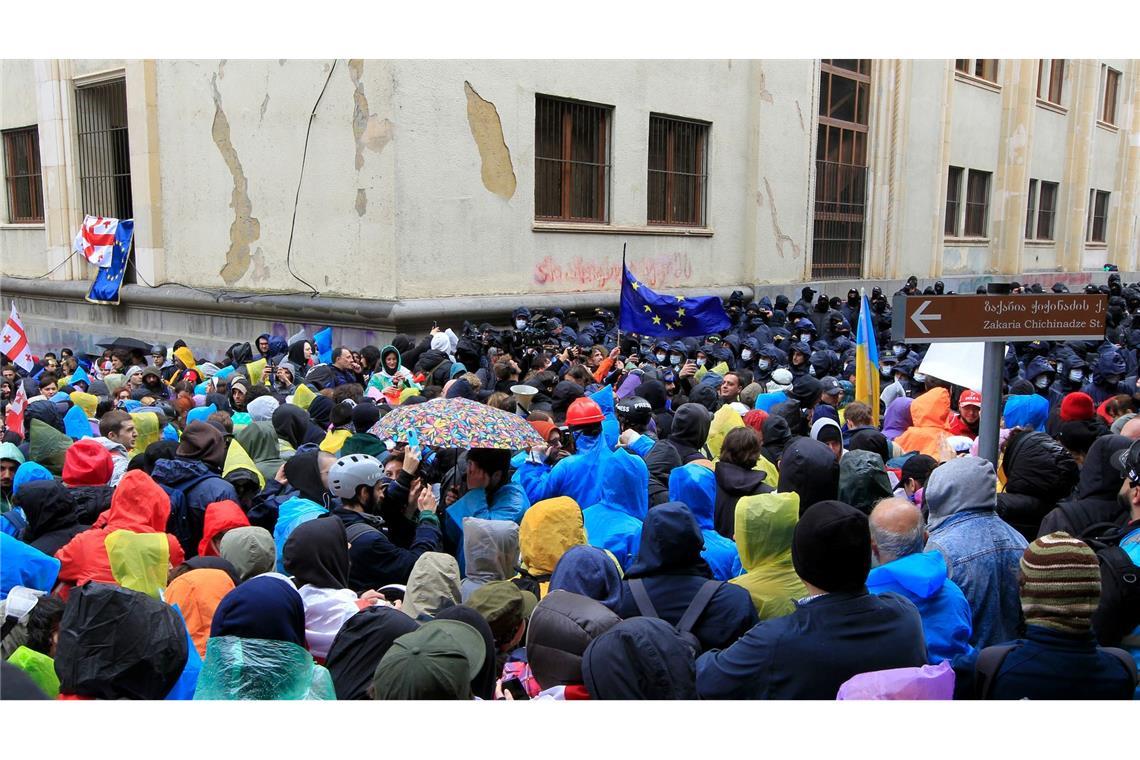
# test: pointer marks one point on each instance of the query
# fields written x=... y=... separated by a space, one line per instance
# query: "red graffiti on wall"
x=578 y=274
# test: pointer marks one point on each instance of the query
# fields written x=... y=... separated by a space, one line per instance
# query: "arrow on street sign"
x=919 y=317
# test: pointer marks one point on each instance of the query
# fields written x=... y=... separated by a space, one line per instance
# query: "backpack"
x=689 y=617
x=1118 y=613
x=990 y=659
x=358 y=529
x=180 y=523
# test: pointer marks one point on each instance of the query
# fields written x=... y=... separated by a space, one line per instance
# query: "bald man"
x=1131 y=429
x=898 y=534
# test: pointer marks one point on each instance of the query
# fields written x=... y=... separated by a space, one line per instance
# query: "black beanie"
x=364 y=416
x=831 y=547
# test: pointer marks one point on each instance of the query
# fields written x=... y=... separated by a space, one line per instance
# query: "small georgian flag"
x=96 y=239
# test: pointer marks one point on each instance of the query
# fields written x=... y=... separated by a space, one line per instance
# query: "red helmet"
x=584 y=411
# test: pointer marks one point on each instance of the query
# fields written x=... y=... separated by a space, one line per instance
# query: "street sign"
x=1042 y=316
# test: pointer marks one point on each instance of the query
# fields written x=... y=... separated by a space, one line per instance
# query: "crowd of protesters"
x=712 y=518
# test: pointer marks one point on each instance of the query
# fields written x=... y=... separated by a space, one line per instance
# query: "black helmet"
x=634 y=410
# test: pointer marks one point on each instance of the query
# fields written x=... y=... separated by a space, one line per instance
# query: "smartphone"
x=515 y=687
x=435 y=491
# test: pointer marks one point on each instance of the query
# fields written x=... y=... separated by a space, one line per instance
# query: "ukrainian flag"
x=867 y=361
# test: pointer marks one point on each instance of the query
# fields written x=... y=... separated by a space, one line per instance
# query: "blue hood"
x=591 y=572
x=916 y=575
x=695 y=486
x=292 y=513
x=626 y=487
x=23 y=565
x=1039 y=366
x=181 y=473
x=29 y=472
x=1110 y=362
x=1026 y=411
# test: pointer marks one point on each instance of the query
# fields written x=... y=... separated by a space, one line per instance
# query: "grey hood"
x=964 y=483
x=490 y=552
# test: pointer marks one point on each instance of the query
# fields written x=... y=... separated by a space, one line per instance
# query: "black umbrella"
x=127 y=344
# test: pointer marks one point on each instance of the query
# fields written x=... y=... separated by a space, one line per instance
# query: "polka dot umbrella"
x=456 y=423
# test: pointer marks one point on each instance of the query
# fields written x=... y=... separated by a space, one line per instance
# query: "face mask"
x=919 y=377
x=520 y=324
x=674 y=360
x=1076 y=376
x=885 y=370
x=899 y=350
x=660 y=357
x=1042 y=382
x=700 y=362
x=763 y=364
x=746 y=354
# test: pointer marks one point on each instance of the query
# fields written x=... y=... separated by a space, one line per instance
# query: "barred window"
x=104 y=149
x=572 y=160
x=22 y=176
x=678 y=171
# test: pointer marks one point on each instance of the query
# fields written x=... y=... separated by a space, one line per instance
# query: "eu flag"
x=105 y=289
x=647 y=313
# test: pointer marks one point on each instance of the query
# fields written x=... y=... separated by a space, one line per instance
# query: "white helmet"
x=353 y=471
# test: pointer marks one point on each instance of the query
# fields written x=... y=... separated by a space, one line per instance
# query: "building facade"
x=382 y=195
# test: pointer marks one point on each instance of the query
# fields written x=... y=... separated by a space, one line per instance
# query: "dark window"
x=977 y=202
x=678 y=171
x=1031 y=210
x=1099 y=216
x=572 y=160
x=962 y=64
x=22 y=176
x=986 y=68
x=1111 y=85
x=1050 y=80
x=1046 y=210
x=841 y=168
x=953 y=200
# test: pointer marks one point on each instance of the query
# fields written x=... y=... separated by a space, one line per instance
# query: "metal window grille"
x=104 y=153
x=1046 y=210
x=953 y=200
x=678 y=171
x=841 y=168
x=572 y=160
x=977 y=203
x=22 y=176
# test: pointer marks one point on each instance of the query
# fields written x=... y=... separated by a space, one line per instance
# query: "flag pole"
x=621 y=295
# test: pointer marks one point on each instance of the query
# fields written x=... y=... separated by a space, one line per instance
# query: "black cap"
x=1127 y=462
x=831 y=547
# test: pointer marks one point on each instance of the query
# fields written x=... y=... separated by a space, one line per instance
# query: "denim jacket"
x=982 y=552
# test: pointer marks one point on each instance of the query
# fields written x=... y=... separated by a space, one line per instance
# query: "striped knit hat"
x=1060 y=583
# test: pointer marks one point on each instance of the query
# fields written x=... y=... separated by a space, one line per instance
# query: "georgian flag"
x=14 y=418
x=14 y=342
x=96 y=239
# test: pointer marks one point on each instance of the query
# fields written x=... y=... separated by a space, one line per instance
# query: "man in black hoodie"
x=50 y=510
x=686 y=443
x=671 y=572
x=1095 y=498
x=809 y=468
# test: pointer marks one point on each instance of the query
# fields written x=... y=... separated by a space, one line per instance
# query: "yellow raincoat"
x=113 y=382
x=254 y=370
x=139 y=561
x=303 y=396
x=85 y=401
x=764 y=527
x=723 y=422
x=237 y=458
x=772 y=474
x=146 y=423
x=334 y=440
x=548 y=529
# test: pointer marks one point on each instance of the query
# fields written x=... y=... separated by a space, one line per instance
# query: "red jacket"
x=220 y=517
x=138 y=504
x=958 y=426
